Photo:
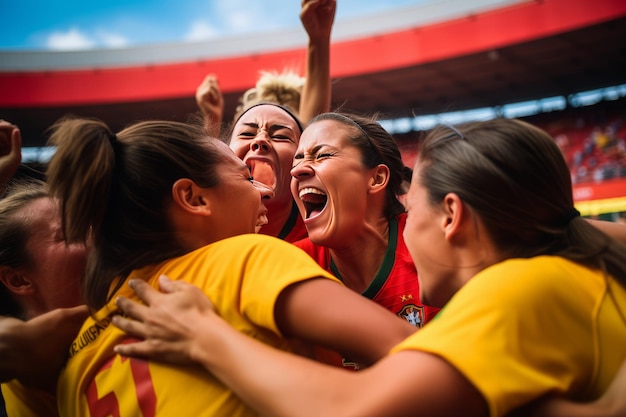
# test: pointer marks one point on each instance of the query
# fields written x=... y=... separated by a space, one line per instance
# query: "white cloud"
x=201 y=30
x=242 y=21
x=71 y=40
x=113 y=40
x=75 y=39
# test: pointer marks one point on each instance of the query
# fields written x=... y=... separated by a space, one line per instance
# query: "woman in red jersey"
x=347 y=175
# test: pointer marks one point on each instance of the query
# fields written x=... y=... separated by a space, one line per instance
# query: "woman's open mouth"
x=314 y=201
x=263 y=172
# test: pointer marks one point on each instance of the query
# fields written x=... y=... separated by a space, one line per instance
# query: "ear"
x=379 y=179
x=16 y=282
x=455 y=216
x=190 y=197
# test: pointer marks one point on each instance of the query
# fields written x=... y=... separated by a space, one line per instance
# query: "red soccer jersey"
x=395 y=286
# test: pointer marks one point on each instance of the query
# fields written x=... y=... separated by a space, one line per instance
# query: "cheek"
x=70 y=260
x=252 y=199
x=239 y=148
x=78 y=257
x=59 y=273
x=285 y=154
x=345 y=186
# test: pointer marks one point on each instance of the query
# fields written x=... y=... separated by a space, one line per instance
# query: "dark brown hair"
x=115 y=189
x=514 y=176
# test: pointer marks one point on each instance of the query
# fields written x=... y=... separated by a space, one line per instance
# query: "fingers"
x=62 y=318
x=131 y=327
x=74 y=315
x=166 y=285
x=10 y=139
x=132 y=309
x=131 y=349
x=16 y=144
x=144 y=291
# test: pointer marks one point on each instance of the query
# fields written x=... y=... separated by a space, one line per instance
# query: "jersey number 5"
x=109 y=393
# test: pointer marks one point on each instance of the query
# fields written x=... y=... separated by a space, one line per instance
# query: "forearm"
x=316 y=93
x=10 y=348
x=213 y=125
x=273 y=382
x=333 y=327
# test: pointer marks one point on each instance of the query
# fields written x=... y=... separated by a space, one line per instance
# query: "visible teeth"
x=310 y=190
x=261 y=221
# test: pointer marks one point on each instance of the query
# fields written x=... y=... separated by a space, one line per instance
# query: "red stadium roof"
x=519 y=52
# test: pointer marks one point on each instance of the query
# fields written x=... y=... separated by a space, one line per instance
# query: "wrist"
x=207 y=345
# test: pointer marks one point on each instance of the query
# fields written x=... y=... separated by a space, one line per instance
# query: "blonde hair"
x=284 y=88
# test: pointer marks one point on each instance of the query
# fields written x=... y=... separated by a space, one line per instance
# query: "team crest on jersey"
x=413 y=314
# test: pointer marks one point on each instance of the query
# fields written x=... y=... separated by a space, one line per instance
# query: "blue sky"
x=71 y=24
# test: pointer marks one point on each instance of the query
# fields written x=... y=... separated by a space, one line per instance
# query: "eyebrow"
x=314 y=150
x=272 y=128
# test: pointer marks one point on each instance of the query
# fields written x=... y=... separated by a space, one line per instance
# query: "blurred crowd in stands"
x=593 y=140
x=594 y=152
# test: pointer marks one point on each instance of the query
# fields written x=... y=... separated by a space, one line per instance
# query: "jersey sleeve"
x=271 y=266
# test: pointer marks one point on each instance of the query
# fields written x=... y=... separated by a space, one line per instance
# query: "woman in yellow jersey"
x=161 y=197
x=39 y=272
x=534 y=297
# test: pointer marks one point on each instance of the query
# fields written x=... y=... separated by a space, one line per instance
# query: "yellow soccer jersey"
x=243 y=276
x=526 y=327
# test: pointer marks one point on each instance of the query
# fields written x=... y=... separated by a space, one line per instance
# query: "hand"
x=317 y=17
x=211 y=103
x=35 y=351
x=168 y=323
x=10 y=150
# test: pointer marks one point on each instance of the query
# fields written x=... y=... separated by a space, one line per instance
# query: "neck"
x=359 y=261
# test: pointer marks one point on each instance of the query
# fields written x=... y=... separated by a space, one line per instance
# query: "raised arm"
x=317 y=17
x=211 y=104
x=10 y=152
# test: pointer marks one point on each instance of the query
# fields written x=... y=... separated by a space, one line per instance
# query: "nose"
x=261 y=142
x=301 y=169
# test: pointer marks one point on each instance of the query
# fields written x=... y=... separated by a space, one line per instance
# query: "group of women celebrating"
x=533 y=294
x=240 y=277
